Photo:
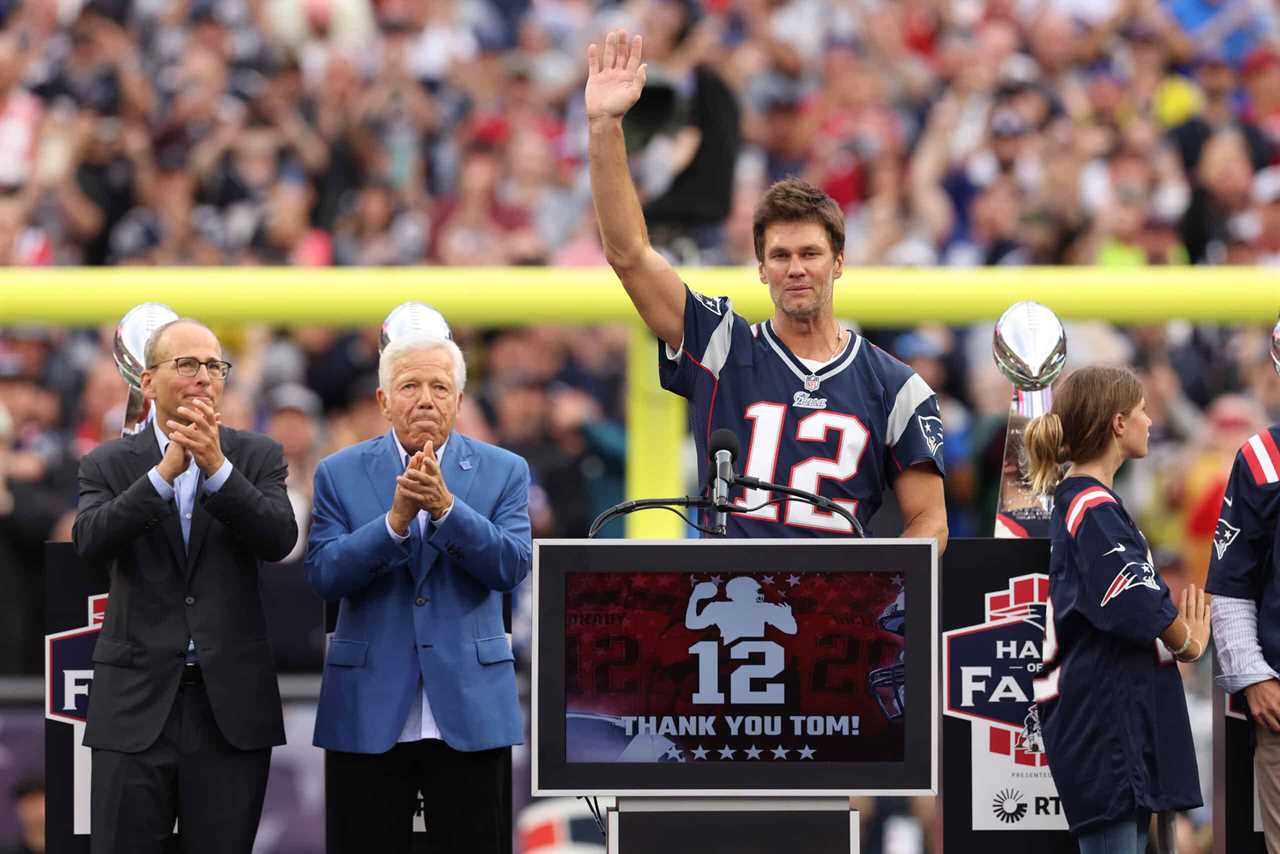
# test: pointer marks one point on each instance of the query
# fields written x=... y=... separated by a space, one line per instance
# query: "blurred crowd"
x=390 y=132
x=377 y=132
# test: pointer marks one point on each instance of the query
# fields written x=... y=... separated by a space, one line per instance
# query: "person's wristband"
x=1196 y=657
x=1185 y=643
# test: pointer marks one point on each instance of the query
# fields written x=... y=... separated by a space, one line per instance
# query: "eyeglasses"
x=189 y=366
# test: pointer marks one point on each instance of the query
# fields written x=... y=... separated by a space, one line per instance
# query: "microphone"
x=722 y=450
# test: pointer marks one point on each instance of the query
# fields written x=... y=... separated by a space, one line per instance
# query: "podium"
x=734 y=694
x=739 y=825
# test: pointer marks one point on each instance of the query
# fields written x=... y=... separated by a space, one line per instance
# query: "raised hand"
x=1195 y=610
x=615 y=76
x=705 y=590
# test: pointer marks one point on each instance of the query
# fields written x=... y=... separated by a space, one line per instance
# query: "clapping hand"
x=200 y=437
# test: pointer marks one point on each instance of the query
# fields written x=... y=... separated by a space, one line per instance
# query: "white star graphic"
x=806 y=752
x=674 y=753
x=753 y=752
x=780 y=752
x=793 y=580
x=699 y=752
x=768 y=579
x=715 y=579
x=727 y=752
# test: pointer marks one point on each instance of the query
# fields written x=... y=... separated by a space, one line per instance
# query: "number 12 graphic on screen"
x=767 y=422
x=741 y=621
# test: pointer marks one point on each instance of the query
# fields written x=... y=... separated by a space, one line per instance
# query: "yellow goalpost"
x=503 y=296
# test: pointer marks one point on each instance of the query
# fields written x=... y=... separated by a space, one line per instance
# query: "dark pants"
x=192 y=774
x=372 y=798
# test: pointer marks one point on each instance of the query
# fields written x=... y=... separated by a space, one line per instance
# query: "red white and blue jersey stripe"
x=1112 y=709
x=843 y=429
x=1262 y=455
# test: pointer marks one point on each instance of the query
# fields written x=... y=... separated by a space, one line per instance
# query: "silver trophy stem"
x=1019 y=511
x=1030 y=348
x=137 y=412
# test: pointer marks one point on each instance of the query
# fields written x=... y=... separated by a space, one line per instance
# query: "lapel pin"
x=466 y=464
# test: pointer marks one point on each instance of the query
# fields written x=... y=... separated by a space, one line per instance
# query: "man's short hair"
x=401 y=347
x=151 y=349
x=793 y=200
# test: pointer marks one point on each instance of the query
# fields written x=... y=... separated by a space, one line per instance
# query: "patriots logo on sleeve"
x=1133 y=575
x=931 y=428
x=1223 y=536
x=712 y=303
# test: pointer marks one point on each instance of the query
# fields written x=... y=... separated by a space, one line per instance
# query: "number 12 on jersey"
x=767 y=423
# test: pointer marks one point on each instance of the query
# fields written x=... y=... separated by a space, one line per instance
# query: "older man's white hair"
x=401 y=347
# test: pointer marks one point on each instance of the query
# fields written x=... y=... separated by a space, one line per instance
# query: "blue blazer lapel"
x=383 y=465
x=459 y=466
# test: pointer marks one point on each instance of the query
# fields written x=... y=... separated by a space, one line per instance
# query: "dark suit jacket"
x=163 y=593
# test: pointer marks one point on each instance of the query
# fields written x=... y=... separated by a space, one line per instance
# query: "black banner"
x=75 y=604
x=997 y=791
x=1236 y=825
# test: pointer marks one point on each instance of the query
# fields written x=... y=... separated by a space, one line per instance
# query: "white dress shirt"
x=1235 y=634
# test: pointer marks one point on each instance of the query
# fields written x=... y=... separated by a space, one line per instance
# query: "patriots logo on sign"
x=712 y=303
x=931 y=428
x=989 y=669
x=1223 y=536
x=1133 y=575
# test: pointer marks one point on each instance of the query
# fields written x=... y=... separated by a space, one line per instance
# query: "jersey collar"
x=837 y=364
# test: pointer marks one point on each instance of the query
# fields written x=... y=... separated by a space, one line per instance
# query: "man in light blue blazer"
x=418 y=533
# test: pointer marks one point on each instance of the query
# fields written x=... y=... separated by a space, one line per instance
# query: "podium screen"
x=732 y=665
x=735 y=667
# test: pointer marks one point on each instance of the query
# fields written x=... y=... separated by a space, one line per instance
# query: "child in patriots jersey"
x=816 y=407
x=1244 y=576
x=1112 y=709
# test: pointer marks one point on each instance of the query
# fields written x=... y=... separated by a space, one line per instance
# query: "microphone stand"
x=819 y=501
x=722 y=508
x=626 y=507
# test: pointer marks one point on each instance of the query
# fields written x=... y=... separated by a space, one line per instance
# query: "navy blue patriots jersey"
x=1112 y=709
x=843 y=430
x=1245 y=563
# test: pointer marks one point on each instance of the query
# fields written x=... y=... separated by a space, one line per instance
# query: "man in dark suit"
x=418 y=532
x=184 y=707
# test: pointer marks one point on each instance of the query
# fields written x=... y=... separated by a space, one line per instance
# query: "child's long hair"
x=1078 y=428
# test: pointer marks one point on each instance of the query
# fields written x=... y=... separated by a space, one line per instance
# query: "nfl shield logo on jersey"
x=811 y=383
x=1223 y=536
